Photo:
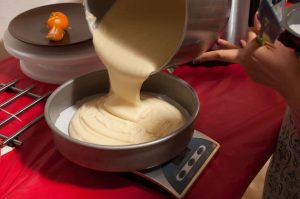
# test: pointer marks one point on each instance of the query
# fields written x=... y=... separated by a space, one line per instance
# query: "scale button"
x=191 y=162
x=182 y=174
x=187 y=168
x=200 y=150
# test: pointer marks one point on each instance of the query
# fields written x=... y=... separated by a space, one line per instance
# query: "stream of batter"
x=134 y=39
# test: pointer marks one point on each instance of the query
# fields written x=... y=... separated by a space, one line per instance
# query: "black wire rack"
x=13 y=140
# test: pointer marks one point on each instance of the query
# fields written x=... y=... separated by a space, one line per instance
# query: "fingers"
x=226 y=44
x=257 y=24
x=252 y=46
x=251 y=34
x=219 y=55
x=229 y=54
x=243 y=43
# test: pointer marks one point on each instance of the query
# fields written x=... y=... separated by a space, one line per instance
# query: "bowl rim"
x=170 y=136
x=288 y=12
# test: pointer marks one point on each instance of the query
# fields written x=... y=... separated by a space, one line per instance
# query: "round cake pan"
x=126 y=157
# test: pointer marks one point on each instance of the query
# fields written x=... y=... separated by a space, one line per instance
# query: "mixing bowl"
x=205 y=22
x=126 y=157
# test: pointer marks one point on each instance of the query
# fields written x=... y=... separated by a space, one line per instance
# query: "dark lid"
x=31 y=26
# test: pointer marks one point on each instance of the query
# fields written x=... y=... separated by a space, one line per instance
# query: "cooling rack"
x=13 y=139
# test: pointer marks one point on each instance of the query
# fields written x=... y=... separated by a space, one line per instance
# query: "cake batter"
x=134 y=39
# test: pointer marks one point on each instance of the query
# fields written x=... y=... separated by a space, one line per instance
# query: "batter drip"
x=134 y=39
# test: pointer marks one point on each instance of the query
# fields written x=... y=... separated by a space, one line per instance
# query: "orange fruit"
x=55 y=34
x=59 y=20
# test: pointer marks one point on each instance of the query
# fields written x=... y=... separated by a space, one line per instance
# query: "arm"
x=272 y=65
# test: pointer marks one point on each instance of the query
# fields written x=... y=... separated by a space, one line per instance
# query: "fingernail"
x=241 y=43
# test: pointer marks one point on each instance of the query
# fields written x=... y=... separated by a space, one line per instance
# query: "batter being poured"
x=134 y=39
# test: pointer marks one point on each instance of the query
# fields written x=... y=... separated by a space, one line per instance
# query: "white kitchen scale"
x=178 y=175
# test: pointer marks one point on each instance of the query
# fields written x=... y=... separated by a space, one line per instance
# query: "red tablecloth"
x=242 y=116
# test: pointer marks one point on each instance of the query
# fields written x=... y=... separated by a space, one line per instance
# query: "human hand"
x=273 y=65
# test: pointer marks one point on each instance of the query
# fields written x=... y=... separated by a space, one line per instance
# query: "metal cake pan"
x=127 y=157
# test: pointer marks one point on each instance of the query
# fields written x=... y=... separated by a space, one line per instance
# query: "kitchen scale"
x=178 y=175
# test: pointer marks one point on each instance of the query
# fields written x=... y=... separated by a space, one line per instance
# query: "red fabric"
x=287 y=4
x=242 y=116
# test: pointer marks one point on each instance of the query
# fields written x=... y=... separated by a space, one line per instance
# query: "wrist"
x=292 y=97
x=289 y=87
x=296 y=118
